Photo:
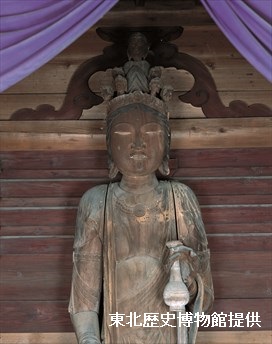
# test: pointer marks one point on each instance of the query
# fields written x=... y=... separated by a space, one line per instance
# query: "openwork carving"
x=160 y=53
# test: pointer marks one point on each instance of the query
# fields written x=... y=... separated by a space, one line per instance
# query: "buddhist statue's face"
x=137 y=143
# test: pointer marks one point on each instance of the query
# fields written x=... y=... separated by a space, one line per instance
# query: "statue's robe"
x=120 y=248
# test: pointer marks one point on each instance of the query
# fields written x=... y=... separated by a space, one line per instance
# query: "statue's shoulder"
x=190 y=225
x=93 y=201
x=180 y=188
x=97 y=193
x=90 y=215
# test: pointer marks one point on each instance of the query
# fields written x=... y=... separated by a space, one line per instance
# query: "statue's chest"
x=141 y=229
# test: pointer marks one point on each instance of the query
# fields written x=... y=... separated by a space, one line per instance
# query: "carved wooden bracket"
x=162 y=53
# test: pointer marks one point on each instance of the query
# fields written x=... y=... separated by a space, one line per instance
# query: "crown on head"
x=136 y=81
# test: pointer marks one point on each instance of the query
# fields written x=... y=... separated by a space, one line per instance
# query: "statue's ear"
x=113 y=170
x=164 y=168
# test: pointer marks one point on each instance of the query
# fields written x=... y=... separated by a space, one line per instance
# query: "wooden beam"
x=218 y=337
x=90 y=135
x=154 y=13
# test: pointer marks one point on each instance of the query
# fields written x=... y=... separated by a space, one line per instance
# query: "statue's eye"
x=153 y=132
x=151 y=129
x=122 y=133
x=122 y=129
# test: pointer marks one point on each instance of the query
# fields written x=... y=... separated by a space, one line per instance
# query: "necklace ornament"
x=139 y=210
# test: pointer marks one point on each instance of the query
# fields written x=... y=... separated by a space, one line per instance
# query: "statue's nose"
x=138 y=143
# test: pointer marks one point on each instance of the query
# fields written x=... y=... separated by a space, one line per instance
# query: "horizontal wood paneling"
x=251 y=159
x=186 y=134
x=61 y=245
x=41 y=191
x=47 y=276
x=249 y=234
x=38 y=230
x=222 y=337
x=74 y=201
x=247 y=171
x=66 y=216
x=40 y=217
x=42 y=276
x=76 y=188
x=212 y=228
x=236 y=228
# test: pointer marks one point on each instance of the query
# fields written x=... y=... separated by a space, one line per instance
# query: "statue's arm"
x=191 y=233
x=87 y=266
x=86 y=326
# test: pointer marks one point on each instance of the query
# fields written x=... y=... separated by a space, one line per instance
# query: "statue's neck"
x=139 y=184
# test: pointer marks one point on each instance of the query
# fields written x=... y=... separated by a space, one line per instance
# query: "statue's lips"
x=138 y=156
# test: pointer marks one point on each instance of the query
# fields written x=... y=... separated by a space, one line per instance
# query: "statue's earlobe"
x=113 y=170
x=164 y=168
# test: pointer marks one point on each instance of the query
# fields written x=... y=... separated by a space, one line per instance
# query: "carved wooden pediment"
x=162 y=53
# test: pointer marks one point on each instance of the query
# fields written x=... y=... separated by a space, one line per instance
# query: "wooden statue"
x=136 y=238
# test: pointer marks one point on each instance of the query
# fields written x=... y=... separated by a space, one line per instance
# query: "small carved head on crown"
x=136 y=81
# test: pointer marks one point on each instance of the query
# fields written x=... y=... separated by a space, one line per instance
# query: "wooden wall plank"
x=209 y=158
x=207 y=337
x=153 y=15
x=186 y=134
x=239 y=214
x=238 y=228
x=40 y=277
x=38 y=230
x=68 y=229
x=74 y=201
x=46 y=276
x=254 y=159
x=64 y=244
x=41 y=338
x=76 y=188
x=54 y=160
x=66 y=216
x=38 y=217
x=37 y=245
x=234 y=199
x=79 y=173
x=247 y=171
x=29 y=316
x=35 y=316
x=42 y=202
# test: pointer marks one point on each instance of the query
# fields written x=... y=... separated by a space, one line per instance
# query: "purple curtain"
x=34 y=31
x=247 y=25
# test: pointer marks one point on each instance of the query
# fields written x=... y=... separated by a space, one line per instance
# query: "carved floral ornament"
x=152 y=51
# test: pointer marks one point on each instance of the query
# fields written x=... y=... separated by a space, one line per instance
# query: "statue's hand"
x=86 y=326
x=89 y=341
x=188 y=259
